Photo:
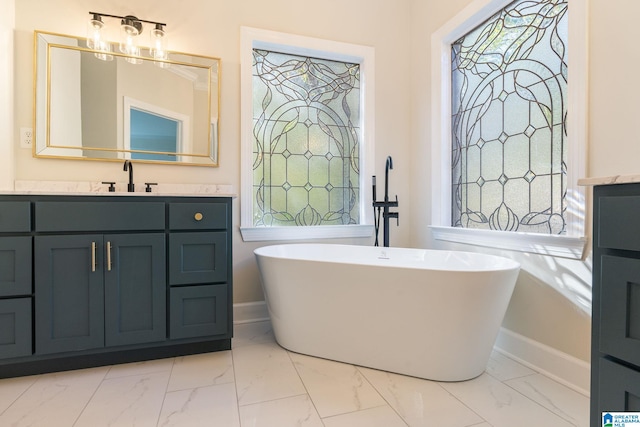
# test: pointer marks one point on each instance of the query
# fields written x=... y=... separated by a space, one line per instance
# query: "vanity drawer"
x=620 y=308
x=619 y=224
x=99 y=216
x=197 y=216
x=15 y=216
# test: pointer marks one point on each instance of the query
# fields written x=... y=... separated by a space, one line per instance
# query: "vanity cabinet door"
x=198 y=311
x=135 y=288
x=15 y=327
x=619 y=387
x=69 y=298
x=15 y=266
x=620 y=308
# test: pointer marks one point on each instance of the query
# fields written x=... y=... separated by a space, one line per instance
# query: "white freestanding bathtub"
x=426 y=313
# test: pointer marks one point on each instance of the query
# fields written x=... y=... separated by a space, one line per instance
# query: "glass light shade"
x=95 y=40
x=94 y=31
x=158 y=48
x=129 y=42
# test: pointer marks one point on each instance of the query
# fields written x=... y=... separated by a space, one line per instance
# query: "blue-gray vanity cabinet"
x=95 y=280
x=615 y=341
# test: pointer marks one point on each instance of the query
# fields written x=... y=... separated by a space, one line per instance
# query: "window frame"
x=253 y=38
x=572 y=244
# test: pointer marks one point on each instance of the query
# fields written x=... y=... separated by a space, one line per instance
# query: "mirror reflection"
x=92 y=105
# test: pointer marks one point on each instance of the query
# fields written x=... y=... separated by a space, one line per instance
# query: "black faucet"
x=384 y=205
x=129 y=166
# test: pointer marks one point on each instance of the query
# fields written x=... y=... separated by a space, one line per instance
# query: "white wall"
x=614 y=147
x=7 y=19
x=213 y=28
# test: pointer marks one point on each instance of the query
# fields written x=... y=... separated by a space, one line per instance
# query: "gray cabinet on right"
x=198 y=270
x=615 y=357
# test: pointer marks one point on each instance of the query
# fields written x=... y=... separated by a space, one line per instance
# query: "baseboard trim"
x=561 y=367
x=249 y=312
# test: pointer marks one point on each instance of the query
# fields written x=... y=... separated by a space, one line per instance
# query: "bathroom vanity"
x=100 y=279
x=615 y=358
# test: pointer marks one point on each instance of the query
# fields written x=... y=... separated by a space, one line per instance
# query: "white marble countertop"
x=94 y=188
x=604 y=180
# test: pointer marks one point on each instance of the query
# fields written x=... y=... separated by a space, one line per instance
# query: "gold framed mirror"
x=97 y=105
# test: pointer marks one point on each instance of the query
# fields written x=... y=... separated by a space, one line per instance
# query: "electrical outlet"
x=26 y=137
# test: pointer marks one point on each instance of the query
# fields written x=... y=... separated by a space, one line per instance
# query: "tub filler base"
x=424 y=313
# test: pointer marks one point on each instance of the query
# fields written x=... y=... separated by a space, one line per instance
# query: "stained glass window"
x=306 y=115
x=509 y=85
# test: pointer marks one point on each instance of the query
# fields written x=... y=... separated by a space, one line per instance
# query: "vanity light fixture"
x=130 y=30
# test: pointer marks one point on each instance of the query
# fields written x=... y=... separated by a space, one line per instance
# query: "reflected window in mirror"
x=151 y=132
x=154 y=133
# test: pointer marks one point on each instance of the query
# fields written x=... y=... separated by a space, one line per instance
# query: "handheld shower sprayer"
x=373 y=183
x=388 y=166
x=383 y=207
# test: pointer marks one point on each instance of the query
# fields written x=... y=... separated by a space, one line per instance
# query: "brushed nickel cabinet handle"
x=108 y=256
x=93 y=257
x=198 y=216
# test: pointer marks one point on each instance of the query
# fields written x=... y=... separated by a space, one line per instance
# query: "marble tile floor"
x=259 y=384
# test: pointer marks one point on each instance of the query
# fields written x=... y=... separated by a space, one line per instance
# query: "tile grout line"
x=538 y=403
x=21 y=394
x=166 y=388
x=381 y=395
x=304 y=385
x=484 y=420
x=235 y=385
x=84 y=408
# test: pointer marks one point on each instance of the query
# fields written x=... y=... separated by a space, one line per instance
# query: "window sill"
x=261 y=234
x=542 y=244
